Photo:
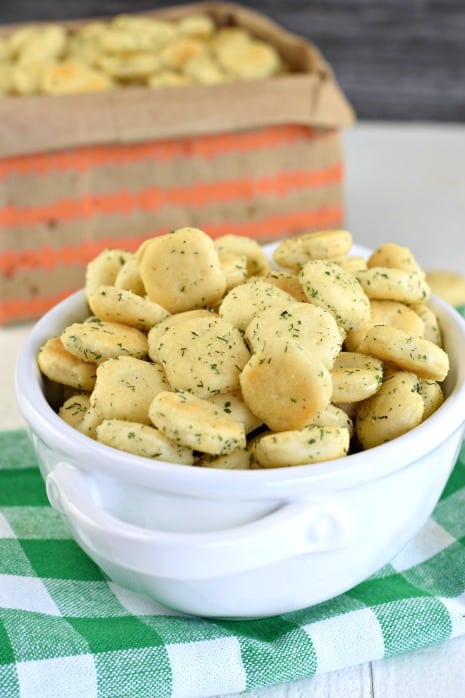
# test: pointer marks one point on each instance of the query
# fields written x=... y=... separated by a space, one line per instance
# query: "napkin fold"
x=67 y=630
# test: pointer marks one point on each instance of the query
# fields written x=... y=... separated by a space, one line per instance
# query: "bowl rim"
x=339 y=473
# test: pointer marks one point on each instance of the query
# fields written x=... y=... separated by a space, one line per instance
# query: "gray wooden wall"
x=395 y=59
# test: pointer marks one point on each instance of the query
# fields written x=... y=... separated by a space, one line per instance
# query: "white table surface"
x=405 y=184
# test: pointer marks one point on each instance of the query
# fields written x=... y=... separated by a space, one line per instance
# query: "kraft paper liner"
x=151 y=199
x=309 y=97
x=51 y=236
x=40 y=268
x=43 y=191
x=207 y=147
x=286 y=157
x=18 y=307
x=38 y=123
x=48 y=257
x=56 y=234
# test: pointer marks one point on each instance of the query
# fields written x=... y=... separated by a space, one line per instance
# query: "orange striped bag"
x=82 y=173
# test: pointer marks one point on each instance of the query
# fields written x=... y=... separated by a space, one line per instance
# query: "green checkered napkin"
x=66 y=631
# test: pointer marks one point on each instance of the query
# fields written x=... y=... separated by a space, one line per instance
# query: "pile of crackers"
x=130 y=50
x=200 y=352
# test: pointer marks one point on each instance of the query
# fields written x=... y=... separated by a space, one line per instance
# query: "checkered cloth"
x=67 y=631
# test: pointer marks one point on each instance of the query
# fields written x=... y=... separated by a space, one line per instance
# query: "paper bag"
x=79 y=173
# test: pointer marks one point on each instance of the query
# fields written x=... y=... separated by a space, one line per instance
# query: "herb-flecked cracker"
x=120 y=305
x=408 y=351
x=394 y=256
x=156 y=333
x=387 y=312
x=243 y=302
x=60 y=366
x=355 y=377
x=294 y=252
x=78 y=412
x=234 y=404
x=285 y=385
x=142 y=440
x=311 y=326
x=195 y=423
x=328 y=285
x=125 y=387
x=432 y=395
x=388 y=283
x=431 y=328
x=96 y=342
x=104 y=268
x=203 y=355
x=312 y=444
x=182 y=270
x=257 y=261
x=396 y=408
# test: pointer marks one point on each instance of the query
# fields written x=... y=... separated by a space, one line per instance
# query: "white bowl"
x=241 y=544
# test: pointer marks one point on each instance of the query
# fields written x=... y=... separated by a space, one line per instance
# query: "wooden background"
x=395 y=59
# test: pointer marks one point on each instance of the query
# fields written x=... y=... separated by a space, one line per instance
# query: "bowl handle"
x=295 y=528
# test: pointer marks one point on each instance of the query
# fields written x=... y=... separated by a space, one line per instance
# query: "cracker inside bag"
x=131 y=50
x=183 y=361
